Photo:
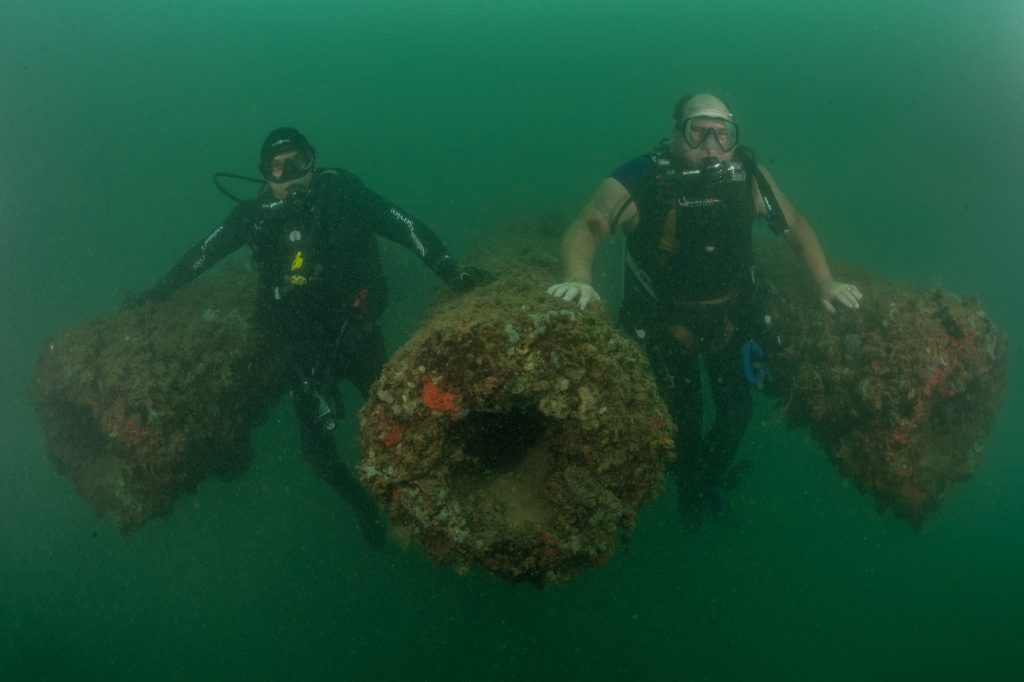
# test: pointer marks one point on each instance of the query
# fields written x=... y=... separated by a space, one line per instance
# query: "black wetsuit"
x=321 y=291
x=687 y=295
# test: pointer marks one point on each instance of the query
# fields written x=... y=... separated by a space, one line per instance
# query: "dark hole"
x=495 y=442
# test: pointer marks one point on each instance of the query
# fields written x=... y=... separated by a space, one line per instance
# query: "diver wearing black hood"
x=321 y=287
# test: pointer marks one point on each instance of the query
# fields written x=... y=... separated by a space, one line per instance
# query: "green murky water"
x=895 y=128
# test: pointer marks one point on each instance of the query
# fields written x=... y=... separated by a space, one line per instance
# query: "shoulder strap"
x=776 y=218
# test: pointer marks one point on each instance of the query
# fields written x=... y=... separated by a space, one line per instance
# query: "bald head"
x=701 y=104
x=704 y=131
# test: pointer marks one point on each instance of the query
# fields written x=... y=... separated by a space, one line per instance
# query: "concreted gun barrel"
x=138 y=406
x=513 y=431
x=901 y=394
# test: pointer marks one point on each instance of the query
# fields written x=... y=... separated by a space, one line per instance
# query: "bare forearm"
x=578 y=247
x=588 y=228
x=805 y=243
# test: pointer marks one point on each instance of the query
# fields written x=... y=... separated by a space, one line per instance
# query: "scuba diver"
x=321 y=288
x=690 y=288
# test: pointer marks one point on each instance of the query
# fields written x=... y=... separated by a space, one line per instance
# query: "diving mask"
x=708 y=131
x=289 y=165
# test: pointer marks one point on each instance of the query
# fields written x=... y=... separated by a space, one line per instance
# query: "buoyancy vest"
x=286 y=243
x=693 y=241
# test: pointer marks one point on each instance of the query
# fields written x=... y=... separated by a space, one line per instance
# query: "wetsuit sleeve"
x=225 y=239
x=391 y=222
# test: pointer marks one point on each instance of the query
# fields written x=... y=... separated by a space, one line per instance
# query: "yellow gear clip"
x=297 y=263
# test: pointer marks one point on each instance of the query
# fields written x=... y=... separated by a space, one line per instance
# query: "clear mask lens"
x=709 y=132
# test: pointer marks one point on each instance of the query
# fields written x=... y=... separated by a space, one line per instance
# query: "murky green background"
x=895 y=126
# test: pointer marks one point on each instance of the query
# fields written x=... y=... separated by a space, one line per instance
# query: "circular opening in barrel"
x=506 y=463
x=497 y=442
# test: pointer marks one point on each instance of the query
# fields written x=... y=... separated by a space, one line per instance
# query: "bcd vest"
x=286 y=245
x=693 y=241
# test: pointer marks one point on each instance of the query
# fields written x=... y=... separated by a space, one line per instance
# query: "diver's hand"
x=847 y=294
x=469 y=277
x=461 y=277
x=572 y=290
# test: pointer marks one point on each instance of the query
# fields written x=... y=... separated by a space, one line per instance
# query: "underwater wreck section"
x=901 y=394
x=139 y=406
x=514 y=432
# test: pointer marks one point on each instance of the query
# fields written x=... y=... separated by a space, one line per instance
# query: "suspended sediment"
x=514 y=432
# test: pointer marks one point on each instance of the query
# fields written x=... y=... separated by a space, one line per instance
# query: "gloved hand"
x=469 y=277
x=847 y=294
x=571 y=290
x=461 y=277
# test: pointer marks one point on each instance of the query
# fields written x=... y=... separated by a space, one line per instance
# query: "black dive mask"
x=284 y=170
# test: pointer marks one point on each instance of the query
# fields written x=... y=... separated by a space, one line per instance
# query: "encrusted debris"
x=513 y=432
x=138 y=406
x=901 y=394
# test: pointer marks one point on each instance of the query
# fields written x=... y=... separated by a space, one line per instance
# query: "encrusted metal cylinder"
x=901 y=394
x=513 y=431
x=139 y=406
